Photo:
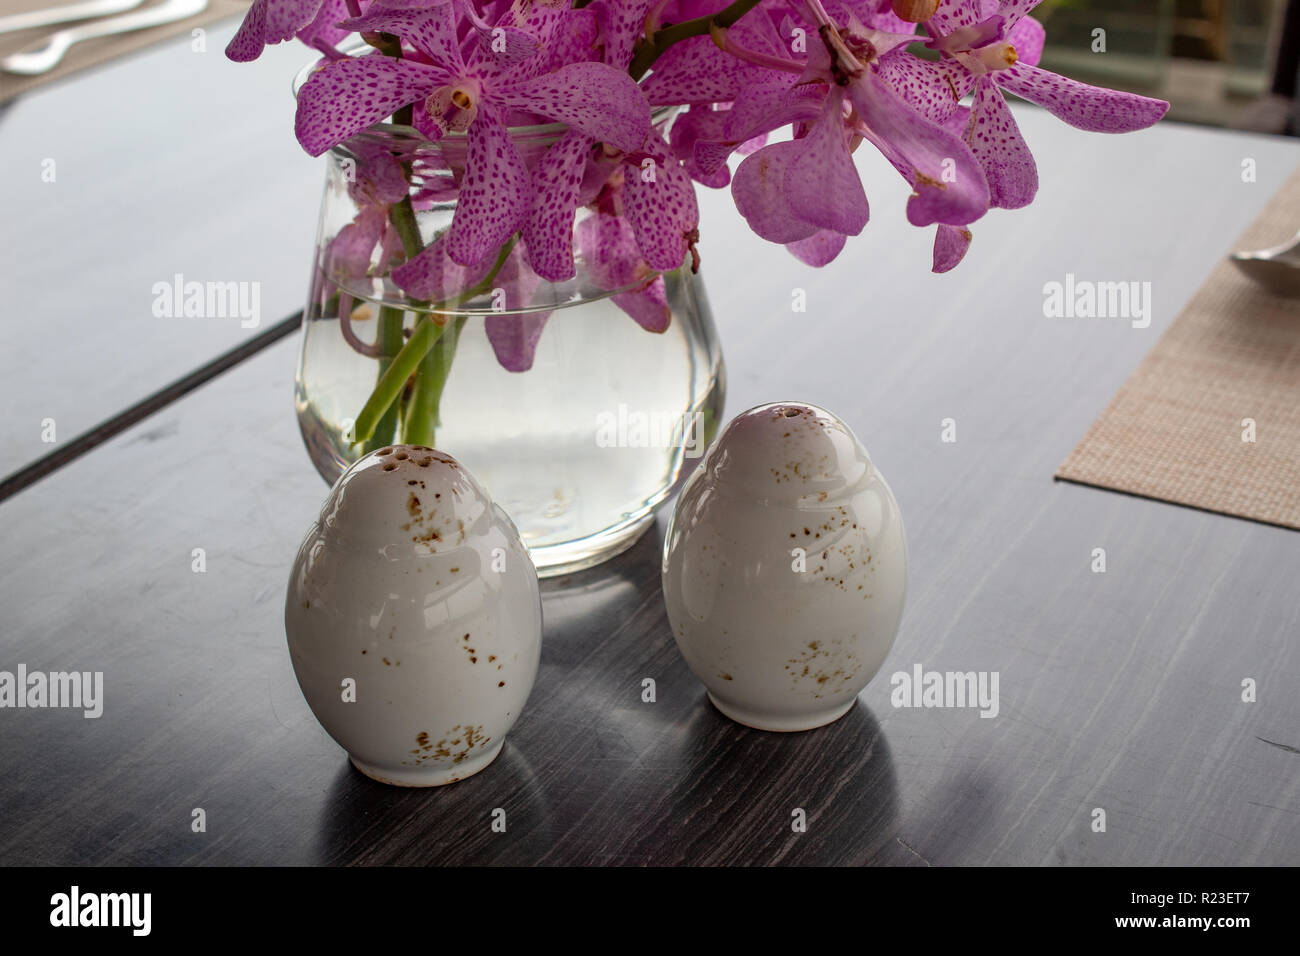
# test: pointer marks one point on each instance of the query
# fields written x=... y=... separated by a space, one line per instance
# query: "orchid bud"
x=914 y=11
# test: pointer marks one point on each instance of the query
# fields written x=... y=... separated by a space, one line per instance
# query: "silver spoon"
x=44 y=57
x=1277 y=269
x=65 y=14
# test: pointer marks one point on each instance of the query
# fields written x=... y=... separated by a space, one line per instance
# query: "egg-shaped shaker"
x=785 y=568
x=414 y=618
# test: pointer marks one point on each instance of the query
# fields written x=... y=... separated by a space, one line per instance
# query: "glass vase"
x=580 y=407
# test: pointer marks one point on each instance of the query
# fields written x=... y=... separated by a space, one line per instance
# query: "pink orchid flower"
x=987 y=47
x=473 y=95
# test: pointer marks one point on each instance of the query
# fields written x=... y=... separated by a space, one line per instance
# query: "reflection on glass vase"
x=579 y=404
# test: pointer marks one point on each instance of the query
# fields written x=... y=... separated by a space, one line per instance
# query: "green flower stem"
x=392 y=381
x=402 y=216
x=424 y=355
x=649 y=49
x=381 y=407
x=388 y=44
x=390 y=341
x=422 y=417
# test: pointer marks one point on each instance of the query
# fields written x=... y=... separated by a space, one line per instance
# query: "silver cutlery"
x=1277 y=269
x=44 y=57
x=65 y=14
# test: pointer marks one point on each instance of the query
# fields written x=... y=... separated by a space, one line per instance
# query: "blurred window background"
x=1226 y=63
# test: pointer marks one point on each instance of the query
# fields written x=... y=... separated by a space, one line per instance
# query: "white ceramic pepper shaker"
x=414 y=618
x=785 y=568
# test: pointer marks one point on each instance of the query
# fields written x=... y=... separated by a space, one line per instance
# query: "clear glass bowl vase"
x=579 y=433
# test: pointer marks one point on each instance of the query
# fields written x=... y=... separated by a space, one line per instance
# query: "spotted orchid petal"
x=495 y=194
x=506 y=46
x=761 y=34
x=514 y=338
x=996 y=141
x=575 y=39
x=599 y=100
x=516 y=282
x=765 y=105
x=769 y=103
x=821 y=182
x=425 y=123
x=345 y=96
x=958 y=123
x=1085 y=107
x=377 y=176
x=347 y=256
x=435 y=277
x=609 y=251
x=954 y=14
x=1014 y=10
x=621 y=22
x=503 y=45
x=268 y=22
x=819 y=249
x=431 y=29
x=557 y=183
x=539 y=20
x=696 y=137
x=601 y=165
x=659 y=200
x=250 y=39
x=648 y=307
x=514 y=333
x=758 y=188
x=933 y=89
x=433 y=190
x=949 y=184
x=697 y=71
x=708 y=161
x=678 y=11
x=324 y=28
x=950 y=245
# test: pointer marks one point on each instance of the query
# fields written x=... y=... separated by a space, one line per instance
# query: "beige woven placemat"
x=93 y=52
x=1177 y=430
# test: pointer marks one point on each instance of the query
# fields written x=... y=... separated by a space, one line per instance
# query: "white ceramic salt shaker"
x=414 y=618
x=785 y=568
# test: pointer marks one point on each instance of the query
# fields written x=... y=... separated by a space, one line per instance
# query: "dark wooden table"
x=1120 y=691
